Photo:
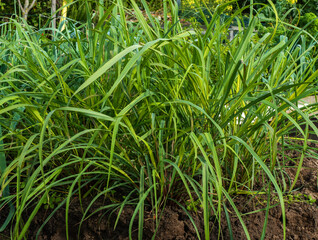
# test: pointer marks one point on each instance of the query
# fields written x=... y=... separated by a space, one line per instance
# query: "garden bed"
x=301 y=216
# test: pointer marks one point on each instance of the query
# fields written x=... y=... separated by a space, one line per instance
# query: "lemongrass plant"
x=154 y=113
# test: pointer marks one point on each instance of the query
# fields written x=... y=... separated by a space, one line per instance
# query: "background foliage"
x=38 y=15
x=76 y=11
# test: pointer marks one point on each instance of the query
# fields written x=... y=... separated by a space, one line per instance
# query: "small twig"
x=27 y=7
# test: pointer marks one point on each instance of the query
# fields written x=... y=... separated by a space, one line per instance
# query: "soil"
x=301 y=216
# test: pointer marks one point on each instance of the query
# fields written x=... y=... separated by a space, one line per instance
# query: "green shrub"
x=307 y=6
x=281 y=30
x=311 y=21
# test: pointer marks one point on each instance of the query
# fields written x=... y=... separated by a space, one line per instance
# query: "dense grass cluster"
x=148 y=114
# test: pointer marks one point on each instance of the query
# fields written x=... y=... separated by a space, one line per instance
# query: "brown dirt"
x=301 y=216
x=302 y=223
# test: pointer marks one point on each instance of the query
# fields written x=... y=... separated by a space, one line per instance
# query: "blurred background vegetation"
x=42 y=9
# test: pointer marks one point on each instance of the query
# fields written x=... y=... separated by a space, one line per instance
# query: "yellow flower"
x=229 y=8
x=191 y=3
x=292 y=1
